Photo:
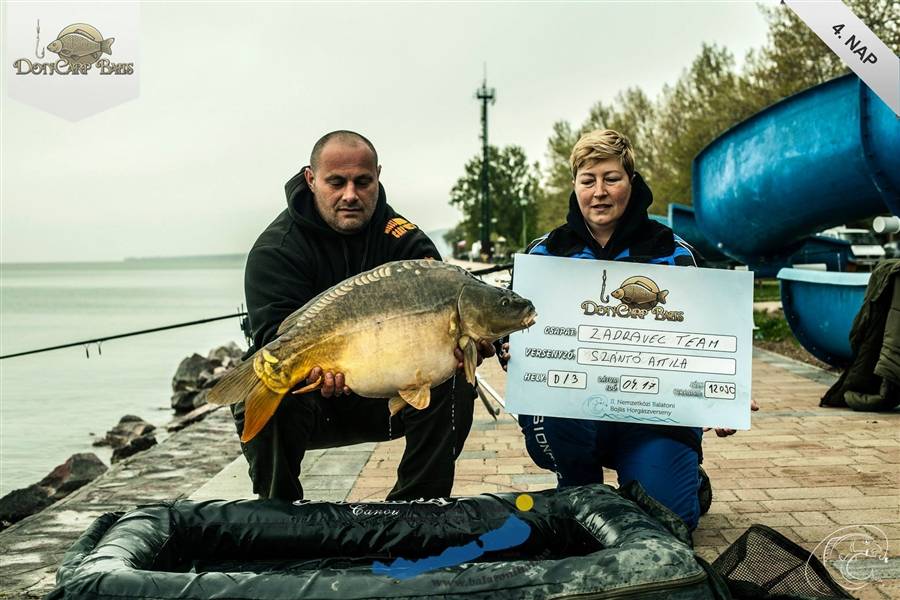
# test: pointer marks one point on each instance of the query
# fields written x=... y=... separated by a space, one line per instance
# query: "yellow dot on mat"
x=524 y=502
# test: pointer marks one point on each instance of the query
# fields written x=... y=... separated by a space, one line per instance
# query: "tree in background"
x=794 y=57
x=707 y=99
x=553 y=199
x=513 y=185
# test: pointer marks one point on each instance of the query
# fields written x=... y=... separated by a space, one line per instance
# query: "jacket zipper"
x=346 y=249
x=346 y=259
x=362 y=266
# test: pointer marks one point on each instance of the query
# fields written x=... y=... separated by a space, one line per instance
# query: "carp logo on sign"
x=638 y=297
x=80 y=48
x=73 y=60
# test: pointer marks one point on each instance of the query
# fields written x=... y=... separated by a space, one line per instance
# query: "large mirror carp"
x=391 y=331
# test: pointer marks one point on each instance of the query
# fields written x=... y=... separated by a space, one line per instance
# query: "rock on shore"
x=196 y=375
x=131 y=435
x=80 y=469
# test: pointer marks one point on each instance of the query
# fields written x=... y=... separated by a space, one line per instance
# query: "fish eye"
x=504 y=302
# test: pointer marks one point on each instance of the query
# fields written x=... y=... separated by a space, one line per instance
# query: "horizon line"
x=126 y=259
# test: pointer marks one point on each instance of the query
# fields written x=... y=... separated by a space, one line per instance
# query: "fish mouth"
x=529 y=320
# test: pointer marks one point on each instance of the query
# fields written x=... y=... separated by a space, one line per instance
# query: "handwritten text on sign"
x=631 y=342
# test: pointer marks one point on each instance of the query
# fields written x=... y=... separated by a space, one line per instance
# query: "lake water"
x=51 y=403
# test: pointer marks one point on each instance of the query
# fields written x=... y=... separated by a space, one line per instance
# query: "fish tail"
x=106 y=45
x=662 y=296
x=259 y=407
x=260 y=402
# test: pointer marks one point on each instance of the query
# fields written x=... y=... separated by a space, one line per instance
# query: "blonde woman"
x=608 y=220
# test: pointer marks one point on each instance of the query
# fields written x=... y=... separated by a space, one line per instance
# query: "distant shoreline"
x=219 y=260
x=149 y=261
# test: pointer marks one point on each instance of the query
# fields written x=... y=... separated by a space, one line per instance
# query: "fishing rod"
x=100 y=340
x=239 y=314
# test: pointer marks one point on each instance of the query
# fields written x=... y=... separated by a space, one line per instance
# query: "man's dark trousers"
x=434 y=438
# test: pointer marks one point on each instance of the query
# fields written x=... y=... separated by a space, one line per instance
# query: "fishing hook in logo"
x=37 y=41
x=604 y=297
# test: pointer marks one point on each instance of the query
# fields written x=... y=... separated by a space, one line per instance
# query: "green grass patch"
x=772 y=327
x=765 y=290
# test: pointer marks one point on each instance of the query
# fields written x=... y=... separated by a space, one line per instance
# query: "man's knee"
x=275 y=453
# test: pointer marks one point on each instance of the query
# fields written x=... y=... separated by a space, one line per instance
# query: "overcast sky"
x=234 y=95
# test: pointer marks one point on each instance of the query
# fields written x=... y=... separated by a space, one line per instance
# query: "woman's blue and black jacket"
x=637 y=238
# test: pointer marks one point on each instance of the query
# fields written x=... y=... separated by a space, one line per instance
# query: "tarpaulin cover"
x=576 y=542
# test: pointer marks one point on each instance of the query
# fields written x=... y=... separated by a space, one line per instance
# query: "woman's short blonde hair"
x=602 y=144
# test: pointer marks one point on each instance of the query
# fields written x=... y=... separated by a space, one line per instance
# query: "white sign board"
x=632 y=342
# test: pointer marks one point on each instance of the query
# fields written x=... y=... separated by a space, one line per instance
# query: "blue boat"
x=835 y=254
x=820 y=307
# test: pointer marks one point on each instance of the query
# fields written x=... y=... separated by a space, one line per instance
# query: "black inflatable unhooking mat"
x=579 y=542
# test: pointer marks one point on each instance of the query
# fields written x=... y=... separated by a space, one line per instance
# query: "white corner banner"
x=72 y=59
x=855 y=44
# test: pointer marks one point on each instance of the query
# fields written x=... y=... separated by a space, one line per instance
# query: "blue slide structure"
x=820 y=158
x=684 y=223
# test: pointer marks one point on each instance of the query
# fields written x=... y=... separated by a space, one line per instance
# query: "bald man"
x=338 y=224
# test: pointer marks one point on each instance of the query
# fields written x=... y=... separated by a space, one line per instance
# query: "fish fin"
x=259 y=407
x=470 y=360
x=106 y=45
x=312 y=386
x=84 y=33
x=395 y=404
x=662 y=296
x=236 y=385
x=290 y=320
x=418 y=398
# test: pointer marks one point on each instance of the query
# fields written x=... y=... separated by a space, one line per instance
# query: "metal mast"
x=485 y=94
